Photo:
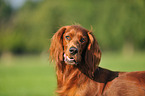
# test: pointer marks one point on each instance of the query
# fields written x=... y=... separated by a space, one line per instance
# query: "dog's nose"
x=73 y=50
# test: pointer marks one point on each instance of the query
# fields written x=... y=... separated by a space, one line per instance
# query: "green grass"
x=27 y=76
x=123 y=62
x=34 y=76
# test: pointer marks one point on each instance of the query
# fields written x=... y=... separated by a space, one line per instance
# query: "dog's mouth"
x=70 y=61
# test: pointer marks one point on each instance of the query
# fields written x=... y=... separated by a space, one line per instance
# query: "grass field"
x=32 y=75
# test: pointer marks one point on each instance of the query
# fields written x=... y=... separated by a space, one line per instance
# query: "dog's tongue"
x=69 y=60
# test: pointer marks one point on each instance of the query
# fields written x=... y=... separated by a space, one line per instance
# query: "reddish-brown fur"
x=85 y=78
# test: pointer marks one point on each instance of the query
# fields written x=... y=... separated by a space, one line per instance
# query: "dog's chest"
x=85 y=89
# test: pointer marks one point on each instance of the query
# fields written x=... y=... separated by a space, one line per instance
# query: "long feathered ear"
x=56 y=47
x=92 y=55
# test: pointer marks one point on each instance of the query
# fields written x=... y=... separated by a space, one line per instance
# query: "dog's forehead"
x=74 y=31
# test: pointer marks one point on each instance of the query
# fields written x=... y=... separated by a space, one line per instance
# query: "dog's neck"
x=67 y=71
x=69 y=76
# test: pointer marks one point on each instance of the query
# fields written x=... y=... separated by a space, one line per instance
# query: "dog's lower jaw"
x=69 y=61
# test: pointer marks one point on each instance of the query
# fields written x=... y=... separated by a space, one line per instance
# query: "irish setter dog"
x=77 y=56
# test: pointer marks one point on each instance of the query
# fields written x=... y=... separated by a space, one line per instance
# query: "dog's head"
x=75 y=45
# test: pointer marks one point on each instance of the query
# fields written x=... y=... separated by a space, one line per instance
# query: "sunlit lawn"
x=27 y=76
x=123 y=62
x=34 y=76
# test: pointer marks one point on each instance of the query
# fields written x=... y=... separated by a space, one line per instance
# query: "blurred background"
x=26 y=27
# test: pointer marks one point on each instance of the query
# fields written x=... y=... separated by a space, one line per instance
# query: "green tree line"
x=116 y=23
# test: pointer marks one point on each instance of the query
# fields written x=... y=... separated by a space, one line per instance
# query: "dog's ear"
x=92 y=55
x=56 y=47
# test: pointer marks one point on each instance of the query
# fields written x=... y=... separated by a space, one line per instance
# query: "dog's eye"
x=67 y=37
x=82 y=40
